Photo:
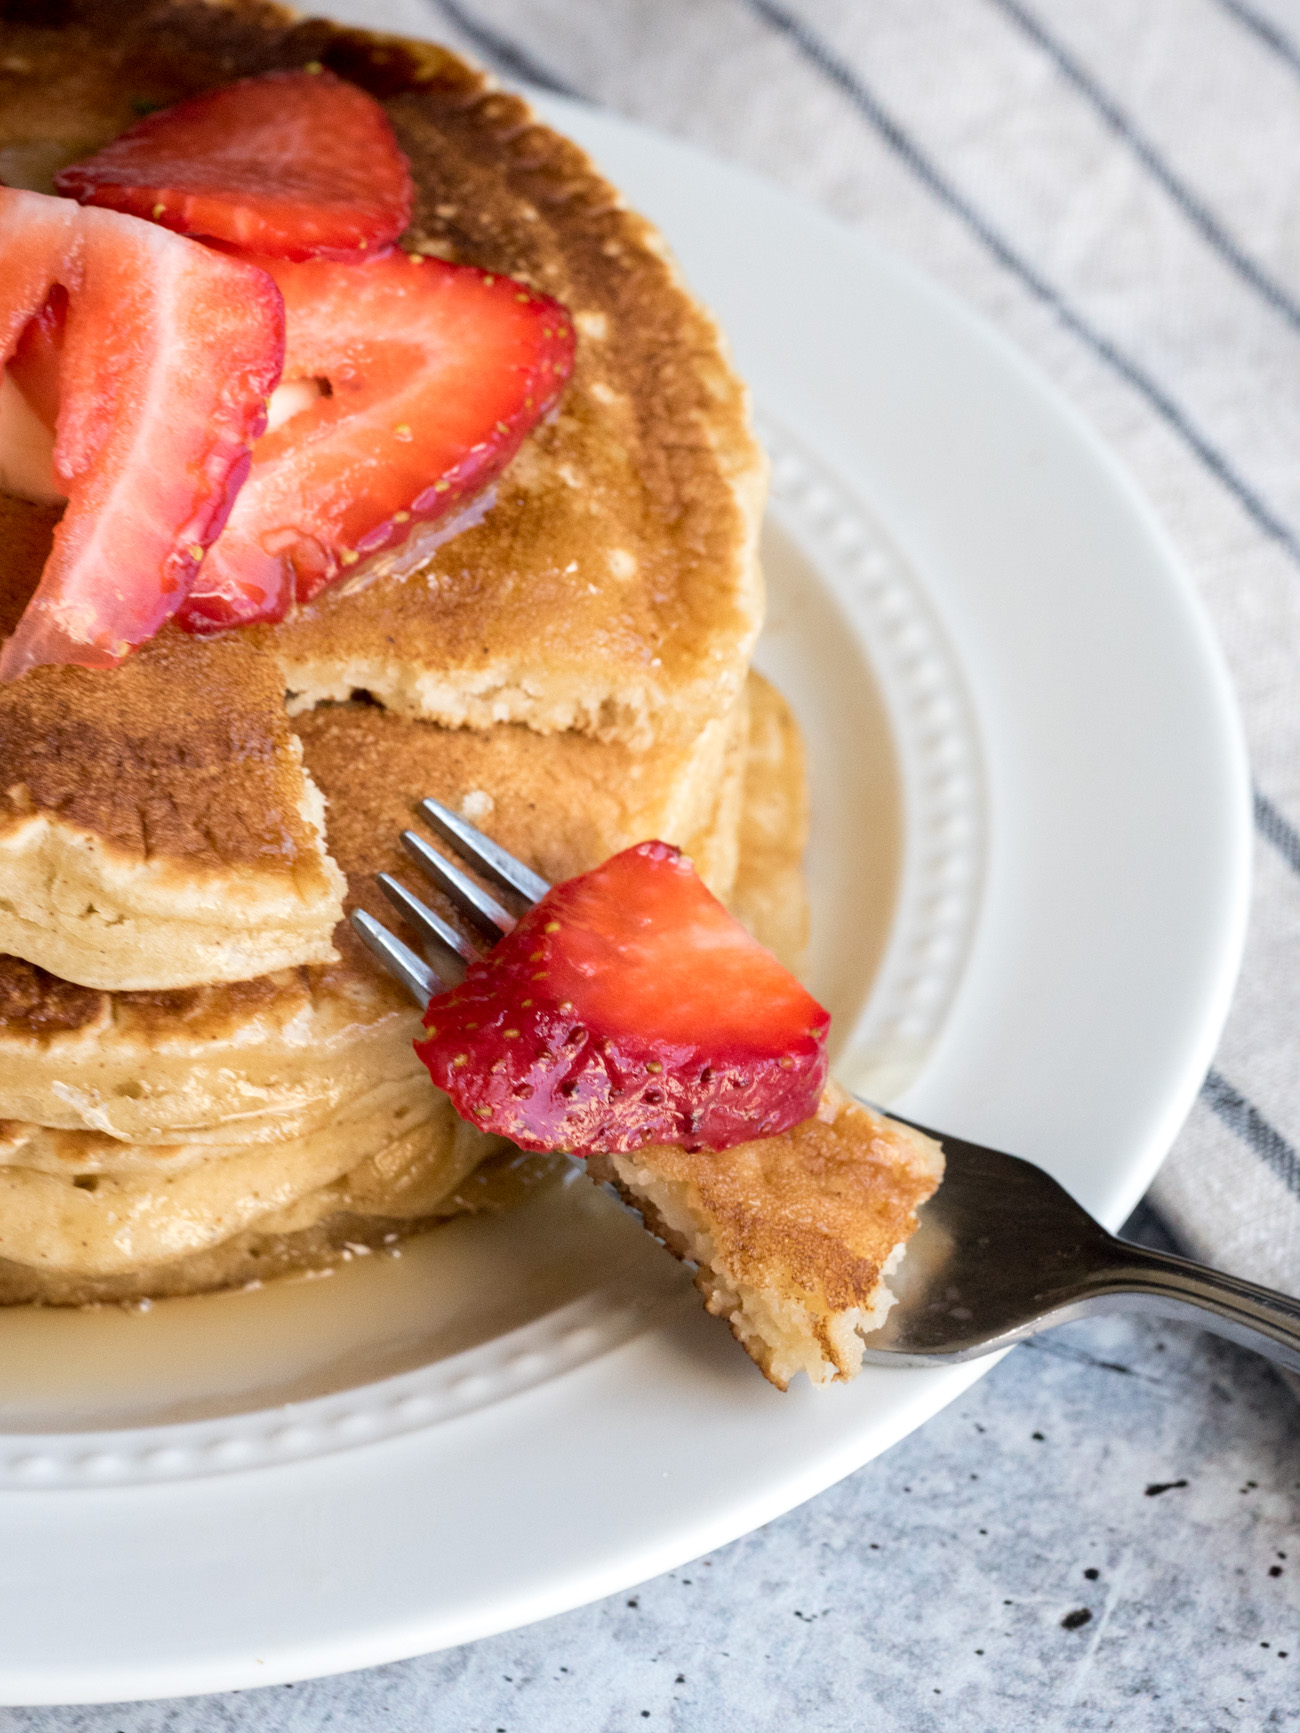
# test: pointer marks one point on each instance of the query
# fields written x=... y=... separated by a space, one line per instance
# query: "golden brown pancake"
x=769 y=894
x=305 y=1047
x=157 y=828
x=792 y=1237
x=375 y=1155
x=157 y=831
x=344 y=1224
x=613 y=587
x=272 y=1058
x=559 y=802
x=594 y=629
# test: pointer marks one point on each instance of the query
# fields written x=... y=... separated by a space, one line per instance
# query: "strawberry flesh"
x=628 y=1007
x=293 y=164
x=166 y=356
x=429 y=377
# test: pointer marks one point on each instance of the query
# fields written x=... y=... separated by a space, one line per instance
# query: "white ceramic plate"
x=997 y=659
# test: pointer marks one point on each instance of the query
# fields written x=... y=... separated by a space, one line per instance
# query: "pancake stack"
x=204 y=1078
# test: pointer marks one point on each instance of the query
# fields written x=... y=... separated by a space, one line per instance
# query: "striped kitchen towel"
x=1118 y=188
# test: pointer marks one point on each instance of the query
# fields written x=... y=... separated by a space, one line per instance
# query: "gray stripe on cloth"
x=1270 y=34
x=837 y=71
x=1201 y=217
x=820 y=54
x=1249 y=1123
x=509 y=56
x=1274 y=828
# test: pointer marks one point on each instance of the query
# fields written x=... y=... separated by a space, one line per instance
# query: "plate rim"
x=386 y=1637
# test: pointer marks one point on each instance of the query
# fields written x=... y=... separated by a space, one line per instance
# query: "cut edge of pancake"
x=326 y=1227
x=98 y=916
x=637 y=714
x=270 y=1094
x=398 y=1150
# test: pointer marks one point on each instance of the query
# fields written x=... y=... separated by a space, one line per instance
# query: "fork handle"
x=1135 y=1278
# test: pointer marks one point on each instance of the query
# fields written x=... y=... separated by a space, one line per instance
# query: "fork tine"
x=481 y=852
x=400 y=960
x=428 y=924
x=481 y=907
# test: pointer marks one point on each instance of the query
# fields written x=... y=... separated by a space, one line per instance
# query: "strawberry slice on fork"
x=166 y=357
x=628 y=1007
x=418 y=382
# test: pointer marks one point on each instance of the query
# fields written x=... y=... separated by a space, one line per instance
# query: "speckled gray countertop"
x=1101 y=1534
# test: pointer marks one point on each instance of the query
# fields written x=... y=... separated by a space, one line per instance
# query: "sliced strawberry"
x=628 y=1007
x=168 y=353
x=295 y=164
x=431 y=374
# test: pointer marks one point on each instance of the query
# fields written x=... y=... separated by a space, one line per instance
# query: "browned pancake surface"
x=156 y=827
x=558 y=803
x=815 y=1213
x=185 y=751
x=36 y=1004
x=791 y=1236
x=611 y=540
x=613 y=580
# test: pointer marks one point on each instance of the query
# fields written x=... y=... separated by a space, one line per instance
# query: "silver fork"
x=1002 y=1251
x=479 y=907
